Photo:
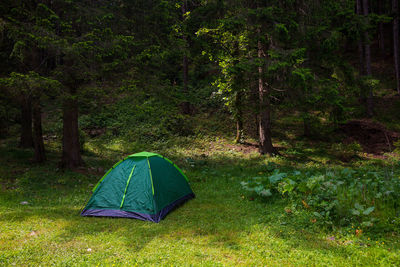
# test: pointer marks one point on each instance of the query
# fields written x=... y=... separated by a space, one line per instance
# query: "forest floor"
x=222 y=226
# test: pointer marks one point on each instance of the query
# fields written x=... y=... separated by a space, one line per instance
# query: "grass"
x=222 y=226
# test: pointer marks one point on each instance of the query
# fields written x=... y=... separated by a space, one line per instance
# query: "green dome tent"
x=143 y=186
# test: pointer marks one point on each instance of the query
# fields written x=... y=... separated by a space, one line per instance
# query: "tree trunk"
x=185 y=104
x=367 y=48
x=239 y=117
x=239 y=131
x=368 y=72
x=360 y=43
x=306 y=126
x=381 y=35
x=395 y=9
x=265 y=146
x=185 y=63
x=71 y=155
x=26 y=139
x=40 y=155
x=255 y=109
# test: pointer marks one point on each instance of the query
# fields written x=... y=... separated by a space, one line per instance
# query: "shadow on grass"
x=219 y=214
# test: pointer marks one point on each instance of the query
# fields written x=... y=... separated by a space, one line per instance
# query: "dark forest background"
x=150 y=70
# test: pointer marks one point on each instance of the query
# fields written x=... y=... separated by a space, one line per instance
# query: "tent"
x=143 y=186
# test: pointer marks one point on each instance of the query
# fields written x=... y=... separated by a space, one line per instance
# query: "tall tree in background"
x=40 y=154
x=36 y=28
x=78 y=48
x=71 y=150
x=360 y=42
x=264 y=127
x=26 y=138
x=267 y=58
x=92 y=51
x=381 y=32
x=42 y=87
x=30 y=29
x=19 y=24
x=395 y=10
x=367 y=52
x=37 y=87
x=185 y=61
x=367 y=47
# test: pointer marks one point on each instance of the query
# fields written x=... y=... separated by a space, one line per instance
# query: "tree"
x=360 y=42
x=36 y=87
x=395 y=10
x=261 y=33
x=16 y=29
x=40 y=155
x=26 y=138
x=185 y=63
x=229 y=50
x=367 y=51
x=265 y=133
x=89 y=52
x=239 y=116
x=381 y=34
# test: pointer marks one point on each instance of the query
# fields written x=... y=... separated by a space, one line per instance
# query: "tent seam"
x=151 y=176
x=127 y=183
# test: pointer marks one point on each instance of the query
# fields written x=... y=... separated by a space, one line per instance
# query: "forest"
x=283 y=115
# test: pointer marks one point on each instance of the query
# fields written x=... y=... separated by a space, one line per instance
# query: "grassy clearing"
x=223 y=226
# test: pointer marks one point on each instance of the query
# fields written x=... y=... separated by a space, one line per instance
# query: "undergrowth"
x=365 y=198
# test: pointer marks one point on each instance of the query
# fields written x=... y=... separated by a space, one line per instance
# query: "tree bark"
x=381 y=36
x=40 y=155
x=368 y=72
x=395 y=9
x=26 y=139
x=265 y=142
x=239 y=117
x=239 y=131
x=306 y=126
x=367 y=48
x=185 y=63
x=71 y=155
x=360 y=43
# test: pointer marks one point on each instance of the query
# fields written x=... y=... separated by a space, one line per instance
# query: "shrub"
x=363 y=197
x=346 y=152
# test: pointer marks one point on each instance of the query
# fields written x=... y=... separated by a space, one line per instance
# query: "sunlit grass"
x=222 y=226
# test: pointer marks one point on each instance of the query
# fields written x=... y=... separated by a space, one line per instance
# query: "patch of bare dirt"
x=374 y=137
x=248 y=147
x=245 y=147
x=90 y=171
x=95 y=132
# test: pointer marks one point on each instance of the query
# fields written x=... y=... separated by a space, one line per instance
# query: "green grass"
x=222 y=226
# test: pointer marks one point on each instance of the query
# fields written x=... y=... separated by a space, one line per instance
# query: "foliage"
x=346 y=151
x=397 y=146
x=31 y=84
x=138 y=118
x=363 y=197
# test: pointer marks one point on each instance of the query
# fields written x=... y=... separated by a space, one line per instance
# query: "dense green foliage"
x=98 y=51
x=365 y=198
